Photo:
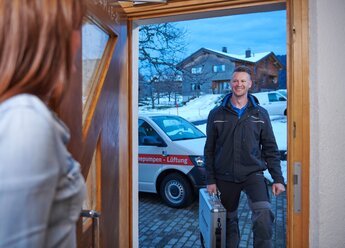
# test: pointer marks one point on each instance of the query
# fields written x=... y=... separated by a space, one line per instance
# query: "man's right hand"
x=212 y=188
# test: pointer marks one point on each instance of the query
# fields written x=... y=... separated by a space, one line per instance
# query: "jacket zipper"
x=235 y=149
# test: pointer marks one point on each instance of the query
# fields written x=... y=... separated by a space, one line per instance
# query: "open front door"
x=95 y=107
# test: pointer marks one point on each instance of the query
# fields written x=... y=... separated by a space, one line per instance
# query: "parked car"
x=283 y=92
x=171 y=159
x=273 y=101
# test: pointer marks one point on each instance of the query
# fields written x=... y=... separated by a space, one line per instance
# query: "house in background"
x=209 y=71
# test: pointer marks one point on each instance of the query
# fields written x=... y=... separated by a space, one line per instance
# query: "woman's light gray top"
x=41 y=188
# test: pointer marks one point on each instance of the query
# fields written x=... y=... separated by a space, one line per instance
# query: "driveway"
x=162 y=226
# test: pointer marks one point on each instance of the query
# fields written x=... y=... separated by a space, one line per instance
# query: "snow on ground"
x=194 y=110
x=283 y=165
x=280 y=131
x=199 y=108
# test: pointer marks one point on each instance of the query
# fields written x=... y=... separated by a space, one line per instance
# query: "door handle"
x=90 y=214
x=94 y=215
x=164 y=153
x=297 y=186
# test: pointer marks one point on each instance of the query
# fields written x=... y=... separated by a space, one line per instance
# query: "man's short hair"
x=242 y=69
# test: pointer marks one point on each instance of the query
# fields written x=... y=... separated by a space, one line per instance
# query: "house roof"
x=254 y=58
x=234 y=57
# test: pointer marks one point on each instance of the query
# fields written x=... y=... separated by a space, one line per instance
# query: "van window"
x=283 y=92
x=177 y=128
x=147 y=135
x=274 y=97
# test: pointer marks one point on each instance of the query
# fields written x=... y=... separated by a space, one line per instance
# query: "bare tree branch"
x=161 y=47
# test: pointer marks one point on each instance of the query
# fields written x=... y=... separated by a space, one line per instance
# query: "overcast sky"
x=261 y=32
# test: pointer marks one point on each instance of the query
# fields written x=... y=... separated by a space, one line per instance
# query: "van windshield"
x=177 y=128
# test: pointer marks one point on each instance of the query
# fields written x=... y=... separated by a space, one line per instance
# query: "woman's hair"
x=35 y=45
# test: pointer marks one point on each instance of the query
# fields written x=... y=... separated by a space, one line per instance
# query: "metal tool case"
x=212 y=220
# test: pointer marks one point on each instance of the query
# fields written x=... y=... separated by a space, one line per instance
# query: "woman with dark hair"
x=41 y=187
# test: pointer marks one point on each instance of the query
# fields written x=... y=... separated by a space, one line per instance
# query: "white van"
x=273 y=101
x=171 y=159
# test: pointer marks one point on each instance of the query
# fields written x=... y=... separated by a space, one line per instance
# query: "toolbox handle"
x=215 y=196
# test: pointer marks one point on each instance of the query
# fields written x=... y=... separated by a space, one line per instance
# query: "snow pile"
x=194 y=110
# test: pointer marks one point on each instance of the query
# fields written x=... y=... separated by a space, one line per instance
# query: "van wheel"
x=176 y=191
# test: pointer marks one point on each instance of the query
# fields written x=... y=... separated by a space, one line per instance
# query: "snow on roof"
x=254 y=58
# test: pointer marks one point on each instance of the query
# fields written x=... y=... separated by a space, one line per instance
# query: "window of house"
x=218 y=68
x=225 y=86
x=273 y=79
x=195 y=87
x=197 y=70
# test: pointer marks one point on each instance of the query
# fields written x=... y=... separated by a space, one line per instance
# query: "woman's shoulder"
x=29 y=112
x=23 y=103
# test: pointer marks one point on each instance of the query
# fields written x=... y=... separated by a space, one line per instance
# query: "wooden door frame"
x=297 y=84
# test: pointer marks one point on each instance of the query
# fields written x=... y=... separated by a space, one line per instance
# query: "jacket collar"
x=253 y=101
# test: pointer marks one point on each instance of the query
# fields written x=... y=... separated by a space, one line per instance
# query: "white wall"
x=327 y=92
x=135 y=91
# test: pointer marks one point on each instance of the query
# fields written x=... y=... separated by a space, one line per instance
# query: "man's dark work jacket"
x=237 y=147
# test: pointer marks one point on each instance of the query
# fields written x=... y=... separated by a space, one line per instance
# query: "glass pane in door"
x=94 y=42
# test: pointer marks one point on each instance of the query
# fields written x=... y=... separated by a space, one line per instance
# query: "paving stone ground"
x=162 y=226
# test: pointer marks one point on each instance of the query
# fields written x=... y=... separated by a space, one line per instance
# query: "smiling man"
x=240 y=145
